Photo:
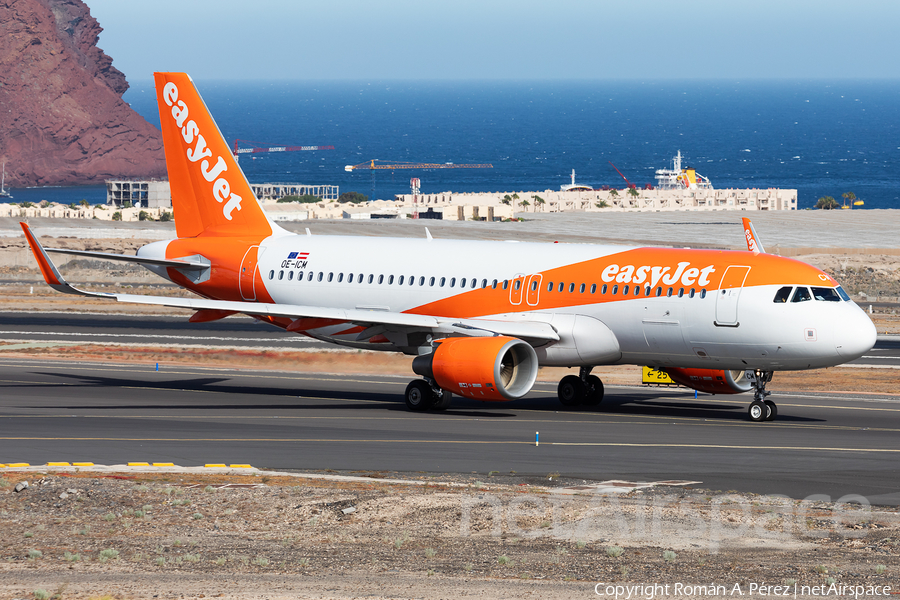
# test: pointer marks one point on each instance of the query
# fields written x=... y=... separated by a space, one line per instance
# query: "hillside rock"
x=62 y=117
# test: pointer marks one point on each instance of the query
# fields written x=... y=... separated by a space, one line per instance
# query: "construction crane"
x=630 y=185
x=258 y=148
x=376 y=165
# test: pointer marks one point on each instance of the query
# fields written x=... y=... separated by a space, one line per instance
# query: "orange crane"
x=386 y=166
x=257 y=148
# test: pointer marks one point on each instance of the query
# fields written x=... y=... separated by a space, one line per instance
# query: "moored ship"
x=681 y=178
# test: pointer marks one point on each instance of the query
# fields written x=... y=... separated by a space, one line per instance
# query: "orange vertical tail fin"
x=210 y=194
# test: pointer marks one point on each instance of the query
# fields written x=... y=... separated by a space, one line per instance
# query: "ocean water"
x=822 y=138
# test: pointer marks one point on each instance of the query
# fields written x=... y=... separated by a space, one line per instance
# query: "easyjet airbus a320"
x=480 y=317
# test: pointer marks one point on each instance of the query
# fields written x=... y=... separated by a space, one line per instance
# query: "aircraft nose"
x=854 y=333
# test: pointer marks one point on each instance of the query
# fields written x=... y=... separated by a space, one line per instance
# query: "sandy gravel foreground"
x=181 y=535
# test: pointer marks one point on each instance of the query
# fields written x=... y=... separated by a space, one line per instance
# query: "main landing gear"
x=584 y=389
x=422 y=394
x=761 y=409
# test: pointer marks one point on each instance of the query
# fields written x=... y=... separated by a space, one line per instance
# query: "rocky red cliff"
x=62 y=117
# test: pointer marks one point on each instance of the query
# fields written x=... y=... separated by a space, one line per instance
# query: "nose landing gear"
x=584 y=389
x=761 y=409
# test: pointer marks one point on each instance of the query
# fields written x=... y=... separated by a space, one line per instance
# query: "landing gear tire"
x=419 y=395
x=761 y=409
x=773 y=410
x=571 y=390
x=441 y=401
x=594 y=391
x=758 y=411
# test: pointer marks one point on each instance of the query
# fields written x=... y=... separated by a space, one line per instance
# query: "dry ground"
x=148 y=536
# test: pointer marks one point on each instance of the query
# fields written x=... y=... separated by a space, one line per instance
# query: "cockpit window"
x=801 y=295
x=843 y=294
x=782 y=295
x=826 y=294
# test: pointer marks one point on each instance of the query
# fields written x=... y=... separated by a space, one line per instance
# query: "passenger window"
x=390 y=279
x=330 y=277
x=637 y=290
x=453 y=282
x=359 y=278
x=290 y=275
x=562 y=286
x=350 y=278
x=462 y=283
x=801 y=295
x=571 y=287
x=321 y=274
x=371 y=278
x=669 y=293
x=443 y=281
x=474 y=283
x=340 y=277
x=681 y=292
x=782 y=295
x=399 y=280
x=581 y=289
x=703 y=293
x=658 y=292
x=691 y=293
x=483 y=283
x=647 y=290
x=494 y=285
x=517 y=284
x=431 y=282
x=826 y=294
x=550 y=287
x=593 y=288
x=280 y=275
x=534 y=286
x=380 y=279
x=505 y=284
x=422 y=281
x=615 y=290
x=603 y=289
x=272 y=274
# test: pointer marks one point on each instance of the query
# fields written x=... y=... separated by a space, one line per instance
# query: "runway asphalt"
x=110 y=414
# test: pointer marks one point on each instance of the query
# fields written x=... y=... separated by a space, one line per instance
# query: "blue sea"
x=822 y=138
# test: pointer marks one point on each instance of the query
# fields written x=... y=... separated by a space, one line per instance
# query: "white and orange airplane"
x=480 y=317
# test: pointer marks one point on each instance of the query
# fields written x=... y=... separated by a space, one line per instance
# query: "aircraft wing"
x=530 y=330
x=171 y=262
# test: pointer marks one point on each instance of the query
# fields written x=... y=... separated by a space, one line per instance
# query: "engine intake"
x=484 y=368
x=711 y=381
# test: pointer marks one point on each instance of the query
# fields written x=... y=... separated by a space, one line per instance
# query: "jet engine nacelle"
x=711 y=381
x=484 y=368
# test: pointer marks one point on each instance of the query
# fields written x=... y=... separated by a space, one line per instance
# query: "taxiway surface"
x=110 y=414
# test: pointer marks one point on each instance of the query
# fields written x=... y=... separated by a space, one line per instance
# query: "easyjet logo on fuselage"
x=653 y=275
x=190 y=132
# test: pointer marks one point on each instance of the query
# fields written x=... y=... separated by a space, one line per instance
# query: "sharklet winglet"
x=753 y=244
x=51 y=274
